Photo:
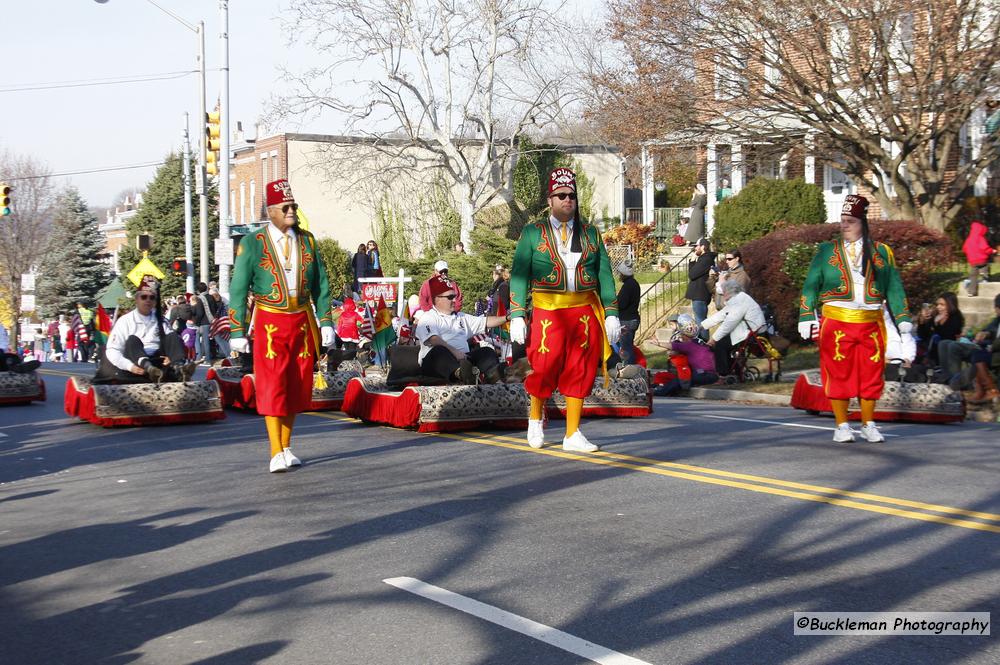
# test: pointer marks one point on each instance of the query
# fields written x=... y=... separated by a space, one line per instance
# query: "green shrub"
x=337 y=262
x=764 y=205
x=778 y=263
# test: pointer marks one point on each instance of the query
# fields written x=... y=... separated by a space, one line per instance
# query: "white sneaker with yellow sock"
x=577 y=442
x=536 y=434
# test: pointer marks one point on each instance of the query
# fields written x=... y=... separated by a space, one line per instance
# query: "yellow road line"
x=661 y=468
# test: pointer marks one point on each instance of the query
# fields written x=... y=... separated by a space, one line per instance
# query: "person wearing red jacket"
x=979 y=253
x=349 y=325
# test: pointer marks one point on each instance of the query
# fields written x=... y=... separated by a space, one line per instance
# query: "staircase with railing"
x=663 y=298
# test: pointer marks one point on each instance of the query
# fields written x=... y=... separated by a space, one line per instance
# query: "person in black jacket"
x=698 y=270
x=628 y=312
x=204 y=314
x=359 y=266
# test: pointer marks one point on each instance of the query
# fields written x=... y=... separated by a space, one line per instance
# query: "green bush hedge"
x=778 y=263
x=761 y=205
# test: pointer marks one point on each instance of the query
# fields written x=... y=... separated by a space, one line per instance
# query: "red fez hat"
x=279 y=192
x=441 y=285
x=561 y=178
x=855 y=206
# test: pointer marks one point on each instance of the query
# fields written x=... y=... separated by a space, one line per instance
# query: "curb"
x=739 y=396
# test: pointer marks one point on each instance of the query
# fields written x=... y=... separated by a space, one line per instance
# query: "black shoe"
x=154 y=373
x=26 y=367
x=467 y=372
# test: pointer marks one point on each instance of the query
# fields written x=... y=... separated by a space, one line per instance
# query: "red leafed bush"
x=778 y=262
x=645 y=246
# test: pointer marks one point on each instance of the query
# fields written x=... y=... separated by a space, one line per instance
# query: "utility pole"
x=188 y=230
x=224 y=261
x=200 y=180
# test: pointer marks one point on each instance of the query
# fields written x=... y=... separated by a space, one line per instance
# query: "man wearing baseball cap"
x=562 y=261
x=281 y=268
x=849 y=280
x=426 y=299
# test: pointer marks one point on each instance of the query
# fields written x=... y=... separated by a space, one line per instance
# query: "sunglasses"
x=562 y=196
x=451 y=297
x=287 y=206
x=730 y=258
x=146 y=296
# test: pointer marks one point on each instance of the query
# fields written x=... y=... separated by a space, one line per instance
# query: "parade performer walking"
x=850 y=279
x=280 y=266
x=563 y=262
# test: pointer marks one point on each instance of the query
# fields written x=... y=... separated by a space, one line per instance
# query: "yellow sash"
x=851 y=315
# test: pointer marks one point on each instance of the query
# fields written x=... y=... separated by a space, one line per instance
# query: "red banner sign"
x=372 y=291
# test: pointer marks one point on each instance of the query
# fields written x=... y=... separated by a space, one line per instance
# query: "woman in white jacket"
x=735 y=321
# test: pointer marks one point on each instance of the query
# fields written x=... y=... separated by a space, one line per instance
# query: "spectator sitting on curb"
x=741 y=316
x=700 y=358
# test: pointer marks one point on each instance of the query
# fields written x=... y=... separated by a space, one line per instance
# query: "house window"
x=772 y=70
x=840 y=53
x=243 y=203
x=730 y=79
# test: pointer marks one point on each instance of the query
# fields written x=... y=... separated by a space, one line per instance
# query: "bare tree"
x=892 y=92
x=23 y=234
x=447 y=85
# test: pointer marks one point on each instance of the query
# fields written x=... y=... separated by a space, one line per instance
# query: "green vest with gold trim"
x=829 y=281
x=258 y=272
x=538 y=267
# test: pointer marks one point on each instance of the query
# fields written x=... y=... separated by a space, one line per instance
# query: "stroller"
x=763 y=343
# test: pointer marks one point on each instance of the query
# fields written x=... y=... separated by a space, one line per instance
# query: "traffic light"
x=213 y=142
x=4 y=199
x=178 y=266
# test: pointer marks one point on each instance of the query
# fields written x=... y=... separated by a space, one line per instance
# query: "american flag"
x=368 y=321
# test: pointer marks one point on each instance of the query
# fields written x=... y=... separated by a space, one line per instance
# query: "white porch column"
x=647 y=187
x=810 y=165
x=711 y=185
x=739 y=178
x=975 y=138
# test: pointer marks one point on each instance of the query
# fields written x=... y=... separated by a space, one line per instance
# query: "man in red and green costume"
x=850 y=279
x=280 y=267
x=563 y=262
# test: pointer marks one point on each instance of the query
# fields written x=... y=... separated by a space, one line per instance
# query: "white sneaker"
x=871 y=433
x=278 y=464
x=843 y=434
x=578 y=442
x=290 y=459
x=536 y=435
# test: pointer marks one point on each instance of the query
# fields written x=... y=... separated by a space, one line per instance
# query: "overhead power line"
x=83 y=171
x=84 y=83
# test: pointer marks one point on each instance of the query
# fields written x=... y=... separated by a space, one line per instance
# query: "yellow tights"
x=279 y=432
x=574 y=409
x=840 y=410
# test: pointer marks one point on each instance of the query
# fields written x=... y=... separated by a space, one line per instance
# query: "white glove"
x=808 y=330
x=907 y=345
x=326 y=336
x=518 y=330
x=613 y=327
x=905 y=328
x=239 y=345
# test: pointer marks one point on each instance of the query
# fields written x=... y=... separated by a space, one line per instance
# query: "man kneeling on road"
x=444 y=336
x=141 y=348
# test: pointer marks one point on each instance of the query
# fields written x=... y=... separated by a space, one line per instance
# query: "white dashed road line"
x=519 y=624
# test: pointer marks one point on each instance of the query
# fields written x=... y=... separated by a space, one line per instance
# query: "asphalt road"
x=691 y=538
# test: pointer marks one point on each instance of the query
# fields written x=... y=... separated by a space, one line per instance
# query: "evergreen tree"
x=72 y=269
x=162 y=217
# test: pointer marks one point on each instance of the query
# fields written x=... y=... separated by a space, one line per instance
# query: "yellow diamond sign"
x=144 y=267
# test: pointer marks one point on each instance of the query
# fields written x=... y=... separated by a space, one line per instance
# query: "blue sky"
x=98 y=127
x=73 y=129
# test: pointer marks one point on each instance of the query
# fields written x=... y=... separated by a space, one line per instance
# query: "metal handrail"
x=661 y=299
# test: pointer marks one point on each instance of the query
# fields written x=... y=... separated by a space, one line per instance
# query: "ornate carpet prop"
x=21 y=388
x=143 y=403
x=238 y=390
x=500 y=405
x=437 y=408
x=914 y=402
x=623 y=398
